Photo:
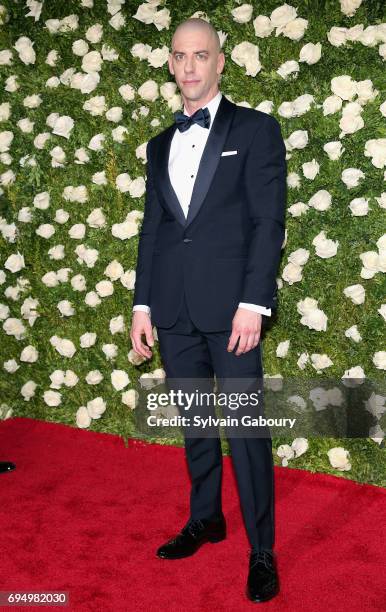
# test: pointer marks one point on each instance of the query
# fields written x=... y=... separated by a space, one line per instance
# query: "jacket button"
x=187 y=240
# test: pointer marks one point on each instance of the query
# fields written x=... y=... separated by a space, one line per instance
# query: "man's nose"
x=189 y=65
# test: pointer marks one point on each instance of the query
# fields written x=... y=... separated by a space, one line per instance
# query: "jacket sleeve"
x=266 y=189
x=147 y=236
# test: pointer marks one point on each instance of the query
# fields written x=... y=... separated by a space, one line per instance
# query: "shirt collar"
x=212 y=106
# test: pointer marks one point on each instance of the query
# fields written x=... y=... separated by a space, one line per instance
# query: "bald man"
x=208 y=255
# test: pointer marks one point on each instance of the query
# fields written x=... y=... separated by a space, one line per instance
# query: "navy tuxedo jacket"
x=228 y=248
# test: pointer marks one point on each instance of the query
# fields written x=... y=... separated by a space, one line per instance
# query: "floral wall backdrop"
x=84 y=85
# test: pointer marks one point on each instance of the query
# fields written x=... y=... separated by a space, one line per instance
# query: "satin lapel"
x=163 y=177
x=208 y=164
x=211 y=156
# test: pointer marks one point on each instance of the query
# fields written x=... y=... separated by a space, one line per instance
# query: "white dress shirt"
x=185 y=154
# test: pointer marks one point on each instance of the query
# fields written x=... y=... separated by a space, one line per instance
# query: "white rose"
x=339 y=458
x=348 y=7
x=162 y=19
x=96 y=407
x=243 y=13
x=307 y=305
x=52 y=398
x=141 y=51
x=359 y=207
x=94 y=33
x=117 y=325
x=283 y=15
x=6 y=139
x=350 y=123
x=311 y=169
x=158 y=57
x=148 y=90
x=351 y=177
x=114 y=270
x=298 y=209
x=63 y=126
x=24 y=47
x=96 y=217
x=379 y=360
x=334 y=149
x=325 y=247
x=287 y=68
x=343 y=86
x=99 y=178
x=331 y=105
x=353 y=333
x=299 y=446
x=104 y=288
x=124 y=230
x=87 y=339
x=310 y=53
x=292 y=273
x=42 y=200
x=282 y=348
x=15 y=262
x=118 y=21
x=315 y=319
x=137 y=187
x=298 y=139
x=321 y=200
x=294 y=30
x=320 y=362
x=41 y=139
x=95 y=105
x=123 y=182
x=79 y=47
x=146 y=12
x=127 y=92
x=299 y=257
x=110 y=350
x=83 y=418
x=247 y=54
x=285 y=452
x=376 y=149
x=356 y=293
x=70 y=378
x=92 y=62
x=130 y=398
x=128 y=279
x=114 y=114
x=119 y=379
x=263 y=26
x=63 y=346
x=77 y=231
x=94 y=377
x=135 y=358
x=29 y=354
x=65 y=308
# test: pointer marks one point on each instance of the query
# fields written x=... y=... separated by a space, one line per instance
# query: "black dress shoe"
x=6 y=466
x=193 y=535
x=263 y=581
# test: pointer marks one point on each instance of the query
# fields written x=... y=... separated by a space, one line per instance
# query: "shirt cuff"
x=261 y=309
x=142 y=307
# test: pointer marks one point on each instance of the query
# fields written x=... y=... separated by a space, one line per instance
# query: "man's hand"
x=141 y=324
x=246 y=324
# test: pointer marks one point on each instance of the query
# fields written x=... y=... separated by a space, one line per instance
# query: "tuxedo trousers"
x=188 y=353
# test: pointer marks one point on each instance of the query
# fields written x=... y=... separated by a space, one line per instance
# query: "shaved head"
x=196 y=24
x=196 y=61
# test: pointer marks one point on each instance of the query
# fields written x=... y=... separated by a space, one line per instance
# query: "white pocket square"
x=228 y=153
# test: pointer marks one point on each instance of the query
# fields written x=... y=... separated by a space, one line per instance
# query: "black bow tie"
x=201 y=117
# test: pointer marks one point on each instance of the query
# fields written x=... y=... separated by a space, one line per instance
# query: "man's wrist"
x=256 y=308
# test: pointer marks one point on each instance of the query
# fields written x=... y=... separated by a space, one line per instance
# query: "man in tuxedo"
x=208 y=254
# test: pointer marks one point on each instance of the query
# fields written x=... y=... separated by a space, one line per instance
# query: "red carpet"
x=81 y=513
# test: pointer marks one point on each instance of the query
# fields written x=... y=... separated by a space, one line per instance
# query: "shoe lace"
x=261 y=556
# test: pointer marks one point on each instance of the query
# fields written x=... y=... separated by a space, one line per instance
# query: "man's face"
x=195 y=63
